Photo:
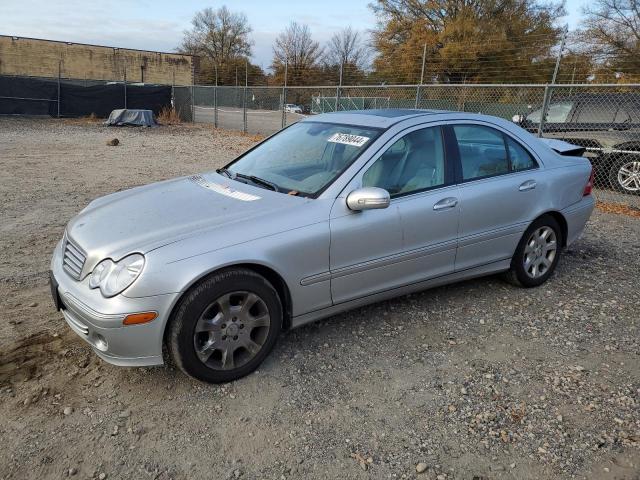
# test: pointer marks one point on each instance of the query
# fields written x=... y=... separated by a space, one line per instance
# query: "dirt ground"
x=478 y=380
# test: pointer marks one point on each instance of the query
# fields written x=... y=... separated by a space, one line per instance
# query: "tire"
x=225 y=326
x=528 y=269
x=625 y=169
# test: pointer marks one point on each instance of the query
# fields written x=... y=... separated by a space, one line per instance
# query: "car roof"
x=380 y=118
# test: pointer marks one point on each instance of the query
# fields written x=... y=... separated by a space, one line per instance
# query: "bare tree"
x=611 y=30
x=221 y=38
x=347 y=47
x=296 y=48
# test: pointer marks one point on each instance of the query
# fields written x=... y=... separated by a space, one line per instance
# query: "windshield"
x=556 y=113
x=304 y=158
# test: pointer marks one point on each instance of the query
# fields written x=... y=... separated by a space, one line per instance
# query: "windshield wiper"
x=259 y=181
x=225 y=171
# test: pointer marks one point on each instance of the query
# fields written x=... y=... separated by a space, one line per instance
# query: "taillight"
x=589 y=186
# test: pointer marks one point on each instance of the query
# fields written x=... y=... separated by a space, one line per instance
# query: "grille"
x=73 y=259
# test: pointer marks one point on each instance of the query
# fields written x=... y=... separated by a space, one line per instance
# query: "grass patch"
x=169 y=116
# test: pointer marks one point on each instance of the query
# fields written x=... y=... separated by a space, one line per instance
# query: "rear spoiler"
x=564 y=148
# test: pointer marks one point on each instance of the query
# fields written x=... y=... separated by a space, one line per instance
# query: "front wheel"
x=225 y=326
x=537 y=253
x=624 y=175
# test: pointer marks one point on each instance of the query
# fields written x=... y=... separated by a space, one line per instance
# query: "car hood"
x=148 y=217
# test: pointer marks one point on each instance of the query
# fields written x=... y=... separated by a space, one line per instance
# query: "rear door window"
x=482 y=151
x=520 y=158
x=487 y=152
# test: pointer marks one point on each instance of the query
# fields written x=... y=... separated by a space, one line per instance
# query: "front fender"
x=294 y=255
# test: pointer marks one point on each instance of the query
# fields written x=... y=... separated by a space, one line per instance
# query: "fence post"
x=284 y=95
x=338 y=90
x=424 y=56
x=555 y=70
x=59 y=73
x=244 y=110
x=125 y=83
x=545 y=106
x=215 y=106
x=244 y=100
x=215 y=100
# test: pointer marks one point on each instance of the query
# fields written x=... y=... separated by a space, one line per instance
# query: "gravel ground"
x=478 y=380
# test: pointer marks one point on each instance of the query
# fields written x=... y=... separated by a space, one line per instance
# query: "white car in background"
x=292 y=108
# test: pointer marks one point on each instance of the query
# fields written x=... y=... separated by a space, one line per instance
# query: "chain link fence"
x=73 y=97
x=605 y=119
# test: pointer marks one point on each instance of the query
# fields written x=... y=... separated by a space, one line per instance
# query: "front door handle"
x=528 y=185
x=445 y=203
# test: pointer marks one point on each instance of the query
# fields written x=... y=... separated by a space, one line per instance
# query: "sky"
x=158 y=25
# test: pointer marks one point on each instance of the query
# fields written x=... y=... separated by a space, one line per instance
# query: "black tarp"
x=29 y=97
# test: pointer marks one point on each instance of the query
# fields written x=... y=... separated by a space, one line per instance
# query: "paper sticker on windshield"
x=348 y=139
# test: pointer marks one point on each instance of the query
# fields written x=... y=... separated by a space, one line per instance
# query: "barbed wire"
x=494 y=60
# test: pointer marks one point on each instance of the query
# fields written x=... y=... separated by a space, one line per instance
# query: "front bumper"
x=98 y=320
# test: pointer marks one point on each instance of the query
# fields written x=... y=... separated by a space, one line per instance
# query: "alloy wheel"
x=540 y=252
x=629 y=176
x=231 y=330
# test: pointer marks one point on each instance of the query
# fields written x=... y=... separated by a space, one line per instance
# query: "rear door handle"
x=528 y=185
x=445 y=203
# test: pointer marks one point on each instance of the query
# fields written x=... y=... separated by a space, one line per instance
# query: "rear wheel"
x=537 y=253
x=624 y=175
x=225 y=326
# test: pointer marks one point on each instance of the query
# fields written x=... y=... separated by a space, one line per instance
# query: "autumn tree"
x=296 y=49
x=610 y=33
x=466 y=40
x=576 y=65
x=220 y=38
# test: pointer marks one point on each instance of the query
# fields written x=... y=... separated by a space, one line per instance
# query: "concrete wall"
x=33 y=57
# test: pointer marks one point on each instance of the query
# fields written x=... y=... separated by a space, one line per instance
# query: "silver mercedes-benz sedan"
x=334 y=212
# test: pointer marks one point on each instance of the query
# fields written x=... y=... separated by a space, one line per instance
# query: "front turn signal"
x=138 y=318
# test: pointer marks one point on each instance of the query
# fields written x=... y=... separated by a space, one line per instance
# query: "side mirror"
x=368 y=198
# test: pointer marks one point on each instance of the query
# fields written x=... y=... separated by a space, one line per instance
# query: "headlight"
x=114 y=277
